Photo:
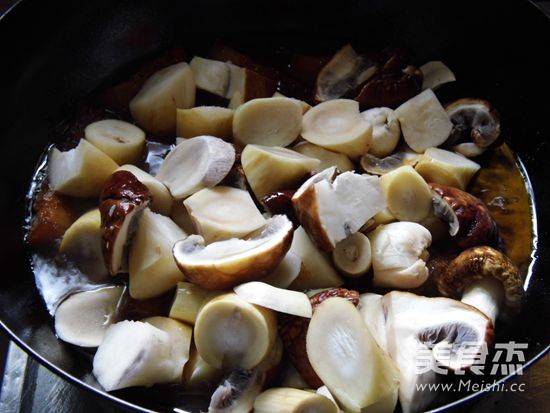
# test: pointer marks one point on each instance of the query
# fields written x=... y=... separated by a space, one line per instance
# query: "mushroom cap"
x=225 y=264
x=121 y=200
x=475 y=119
x=476 y=263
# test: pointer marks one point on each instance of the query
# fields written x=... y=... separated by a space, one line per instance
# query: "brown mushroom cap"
x=476 y=225
x=121 y=199
x=474 y=120
x=476 y=263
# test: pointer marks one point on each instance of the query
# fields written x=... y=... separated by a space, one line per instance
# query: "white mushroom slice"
x=79 y=172
x=224 y=264
x=187 y=302
x=154 y=106
x=162 y=200
x=344 y=72
x=198 y=375
x=122 y=141
x=289 y=400
x=326 y=157
x=134 y=353
x=446 y=168
x=205 y=120
x=330 y=211
x=223 y=212
x=152 y=268
x=316 y=269
x=399 y=254
x=415 y=326
x=304 y=105
x=210 y=75
x=81 y=244
x=325 y=392
x=286 y=272
x=337 y=125
x=381 y=166
x=230 y=332
x=278 y=299
x=268 y=121
x=370 y=307
x=424 y=122
x=181 y=217
x=235 y=101
x=352 y=256
x=381 y=218
x=180 y=339
x=407 y=195
x=83 y=318
x=196 y=163
x=385 y=131
x=435 y=74
x=346 y=357
x=469 y=149
x=268 y=169
x=237 y=392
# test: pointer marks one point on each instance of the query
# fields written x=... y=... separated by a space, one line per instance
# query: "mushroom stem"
x=486 y=295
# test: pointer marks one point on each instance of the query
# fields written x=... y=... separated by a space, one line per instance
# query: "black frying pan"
x=54 y=53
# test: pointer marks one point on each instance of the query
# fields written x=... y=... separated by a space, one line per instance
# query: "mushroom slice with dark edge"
x=417 y=327
x=435 y=74
x=225 y=264
x=331 y=209
x=476 y=226
x=443 y=210
x=346 y=71
x=474 y=120
x=486 y=279
x=380 y=166
x=83 y=318
x=122 y=200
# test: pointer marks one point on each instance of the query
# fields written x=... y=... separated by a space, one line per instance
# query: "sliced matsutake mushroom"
x=224 y=264
x=304 y=105
x=330 y=209
x=122 y=141
x=232 y=333
x=277 y=299
x=154 y=106
x=196 y=163
x=204 y=120
x=260 y=161
x=134 y=353
x=162 y=200
x=122 y=200
x=370 y=307
x=435 y=74
x=81 y=244
x=346 y=71
x=469 y=149
x=316 y=270
x=327 y=158
x=337 y=125
x=346 y=357
x=486 y=279
x=83 y=317
x=289 y=400
x=445 y=212
x=474 y=120
x=417 y=328
x=476 y=226
x=446 y=168
x=352 y=256
x=211 y=75
x=81 y=171
x=399 y=254
x=407 y=195
x=198 y=375
x=150 y=262
x=286 y=272
x=188 y=301
x=385 y=130
x=424 y=122
x=380 y=166
x=222 y=212
x=268 y=121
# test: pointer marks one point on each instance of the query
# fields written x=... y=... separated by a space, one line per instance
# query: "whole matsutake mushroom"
x=474 y=120
x=486 y=279
x=122 y=200
x=476 y=226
